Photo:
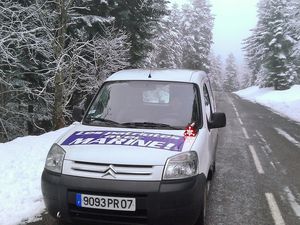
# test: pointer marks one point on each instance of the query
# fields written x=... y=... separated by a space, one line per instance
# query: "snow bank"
x=286 y=103
x=22 y=163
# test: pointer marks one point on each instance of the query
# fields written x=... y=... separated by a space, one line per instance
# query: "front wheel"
x=49 y=220
x=202 y=215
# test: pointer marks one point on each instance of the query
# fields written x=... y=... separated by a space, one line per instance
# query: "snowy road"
x=258 y=168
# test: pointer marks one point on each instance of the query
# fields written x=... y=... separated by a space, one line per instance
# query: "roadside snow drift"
x=22 y=163
x=286 y=103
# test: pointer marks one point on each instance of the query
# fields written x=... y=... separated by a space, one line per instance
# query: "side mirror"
x=218 y=120
x=77 y=113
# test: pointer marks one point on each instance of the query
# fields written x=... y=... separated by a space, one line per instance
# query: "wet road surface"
x=258 y=167
x=257 y=179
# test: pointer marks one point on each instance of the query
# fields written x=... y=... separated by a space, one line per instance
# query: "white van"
x=143 y=152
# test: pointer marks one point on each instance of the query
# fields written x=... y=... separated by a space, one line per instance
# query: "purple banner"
x=125 y=138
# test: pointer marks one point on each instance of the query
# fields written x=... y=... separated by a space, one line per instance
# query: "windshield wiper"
x=98 y=119
x=150 y=124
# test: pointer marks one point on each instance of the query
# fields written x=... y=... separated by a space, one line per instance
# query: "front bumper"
x=157 y=202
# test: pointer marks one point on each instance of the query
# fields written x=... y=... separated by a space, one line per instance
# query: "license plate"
x=105 y=202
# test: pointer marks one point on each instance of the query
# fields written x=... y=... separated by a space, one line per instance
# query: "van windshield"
x=145 y=104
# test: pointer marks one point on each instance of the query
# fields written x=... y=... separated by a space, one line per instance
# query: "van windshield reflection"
x=144 y=104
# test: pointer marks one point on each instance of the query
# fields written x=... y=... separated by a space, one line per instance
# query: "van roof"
x=179 y=75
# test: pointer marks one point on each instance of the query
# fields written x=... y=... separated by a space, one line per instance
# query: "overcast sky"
x=233 y=20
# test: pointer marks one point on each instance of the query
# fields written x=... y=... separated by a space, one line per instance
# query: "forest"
x=56 y=53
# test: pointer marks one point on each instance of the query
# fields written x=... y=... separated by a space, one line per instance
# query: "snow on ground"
x=23 y=159
x=22 y=163
x=286 y=103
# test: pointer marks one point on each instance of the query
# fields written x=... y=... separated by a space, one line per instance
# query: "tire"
x=202 y=215
x=49 y=220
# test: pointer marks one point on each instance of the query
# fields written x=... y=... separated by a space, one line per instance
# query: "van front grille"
x=109 y=171
x=117 y=169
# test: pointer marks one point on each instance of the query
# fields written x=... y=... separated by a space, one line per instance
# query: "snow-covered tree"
x=255 y=52
x=231 y=74
x=246 y=77
x=216 y=72
x=139 y=20
x=39 y=56
x=25 y=51
x=293 y=30
x=196 y=25
x=78 y=57
x=184 y=37
x=269 y=48
x=279 y=43
x=167 y=50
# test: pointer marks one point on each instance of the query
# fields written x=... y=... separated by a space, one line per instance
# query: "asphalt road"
x=258 y=167
x=257 y=181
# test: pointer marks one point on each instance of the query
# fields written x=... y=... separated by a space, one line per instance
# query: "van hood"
x=123 y=146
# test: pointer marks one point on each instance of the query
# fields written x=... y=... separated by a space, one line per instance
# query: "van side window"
x=213 y=105
x=196 y=114
x=207 y=102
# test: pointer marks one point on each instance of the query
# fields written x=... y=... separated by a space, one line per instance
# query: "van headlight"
x=55 y=158
x=181 y=166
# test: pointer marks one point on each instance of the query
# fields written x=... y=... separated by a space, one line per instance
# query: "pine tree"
x=255 y=53
x=139 y=20
x=196 y=25
x=246 y=77
x=269 y=48
x=216 y=72
x=167 y=51
x=231 y=74
x=279 y=46
x=88 y=18
x=293 y=33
